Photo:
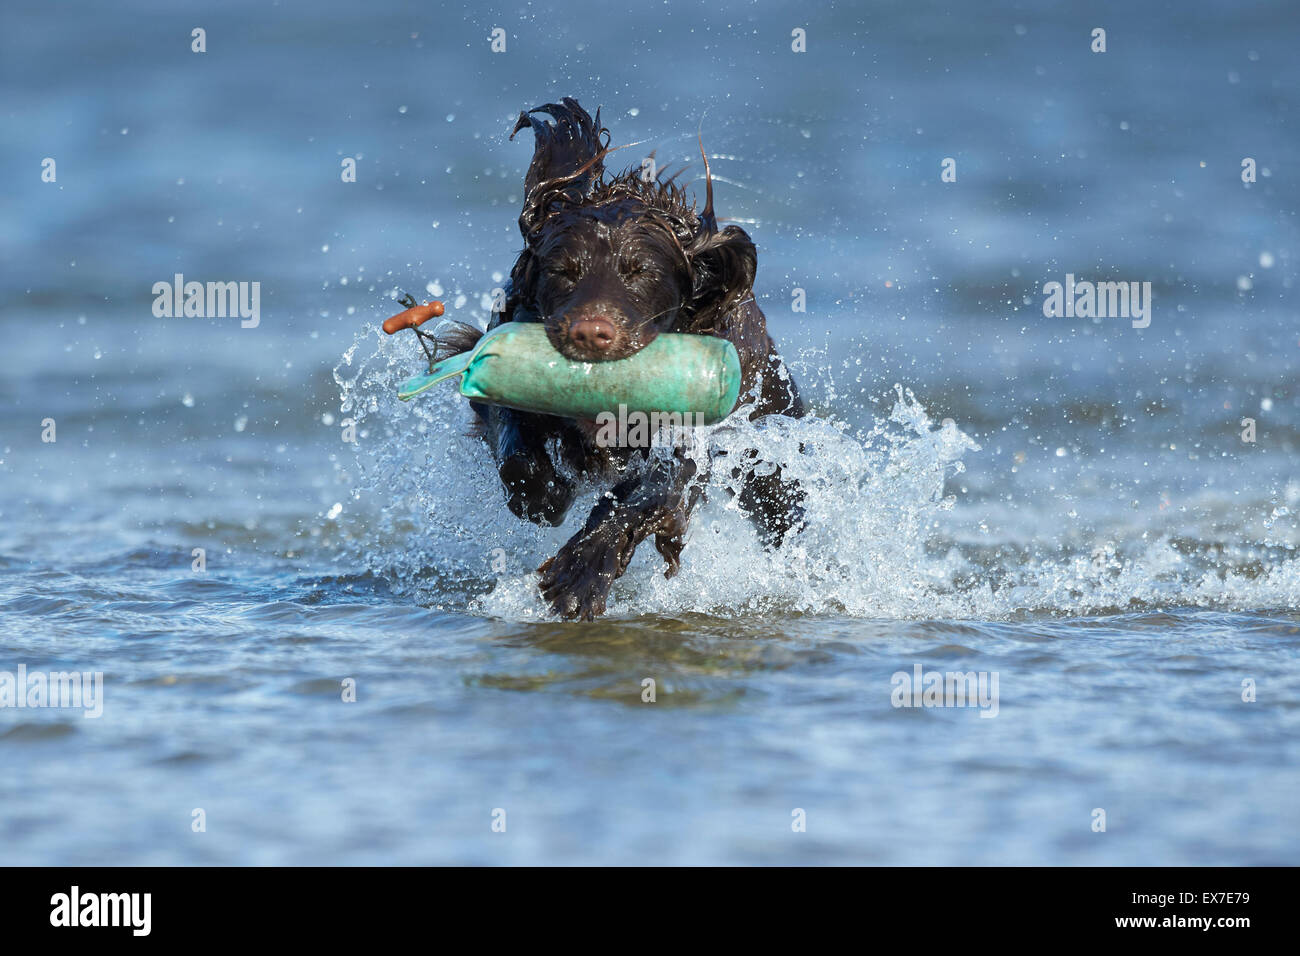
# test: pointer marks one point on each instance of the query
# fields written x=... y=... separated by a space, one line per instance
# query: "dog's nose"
x=594 y=335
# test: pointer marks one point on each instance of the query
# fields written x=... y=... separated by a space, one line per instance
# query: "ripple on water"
x=38 y=731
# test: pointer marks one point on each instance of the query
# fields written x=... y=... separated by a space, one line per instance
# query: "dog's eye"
x=567 y=270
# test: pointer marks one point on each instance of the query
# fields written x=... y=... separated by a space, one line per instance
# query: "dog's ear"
x=724 y=265
x=523 y=279
x=568 y=157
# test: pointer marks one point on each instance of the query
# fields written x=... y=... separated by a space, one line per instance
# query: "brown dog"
x=607 y=265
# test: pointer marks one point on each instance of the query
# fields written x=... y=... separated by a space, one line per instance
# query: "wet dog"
x=607 y=265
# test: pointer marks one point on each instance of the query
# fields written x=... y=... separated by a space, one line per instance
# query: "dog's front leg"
x=534 y=490
x=576 y=582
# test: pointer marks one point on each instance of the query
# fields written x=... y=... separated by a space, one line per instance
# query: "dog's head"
x=608 y=265
x=607 y=277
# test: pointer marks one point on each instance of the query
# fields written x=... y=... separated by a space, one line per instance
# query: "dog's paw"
x=670 y=538
x=534 y=491
x=576 y=582
x=670 y=548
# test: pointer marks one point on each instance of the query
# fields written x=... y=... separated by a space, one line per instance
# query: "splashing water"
x=881 y=539
x=430 y=515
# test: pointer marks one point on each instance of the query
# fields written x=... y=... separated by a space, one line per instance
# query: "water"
x=1065 y=503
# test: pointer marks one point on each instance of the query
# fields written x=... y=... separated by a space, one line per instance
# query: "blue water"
x=1089 y=525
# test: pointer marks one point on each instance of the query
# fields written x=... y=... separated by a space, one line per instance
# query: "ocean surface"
x=1065 y=504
